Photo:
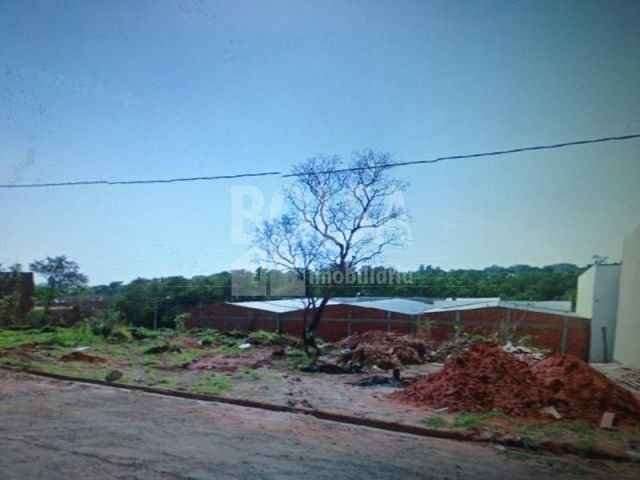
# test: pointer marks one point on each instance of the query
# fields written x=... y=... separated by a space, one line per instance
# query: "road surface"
x=62 y=430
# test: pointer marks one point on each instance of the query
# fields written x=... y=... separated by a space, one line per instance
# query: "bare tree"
x=339 y=218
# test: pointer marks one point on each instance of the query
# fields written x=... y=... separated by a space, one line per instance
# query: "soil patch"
x=226 y=363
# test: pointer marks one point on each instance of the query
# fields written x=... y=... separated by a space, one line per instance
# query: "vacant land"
x=63 y=430
x=266 y=367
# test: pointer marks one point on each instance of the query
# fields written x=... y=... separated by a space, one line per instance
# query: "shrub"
x=35 y=318
x=181 y=321
x=105 y=322
x=120 y=333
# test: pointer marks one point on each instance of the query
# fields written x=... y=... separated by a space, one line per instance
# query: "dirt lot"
x=211 y=363
x=64 y=430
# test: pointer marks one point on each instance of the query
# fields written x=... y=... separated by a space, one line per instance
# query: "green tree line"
x=142 y=300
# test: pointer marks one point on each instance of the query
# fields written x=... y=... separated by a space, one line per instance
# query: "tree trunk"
x=51 y=293
x=309 y=337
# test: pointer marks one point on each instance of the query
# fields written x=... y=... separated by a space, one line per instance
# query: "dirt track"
x=60 y=430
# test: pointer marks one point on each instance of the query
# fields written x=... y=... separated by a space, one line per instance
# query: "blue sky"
x=121 y=90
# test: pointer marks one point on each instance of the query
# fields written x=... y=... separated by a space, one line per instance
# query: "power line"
x=494 y=153
x=477 y=155
x=139 y=182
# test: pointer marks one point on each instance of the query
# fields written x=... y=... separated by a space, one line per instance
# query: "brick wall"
x=555 y=332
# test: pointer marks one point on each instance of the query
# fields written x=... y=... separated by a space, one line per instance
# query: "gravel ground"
x=62 y=430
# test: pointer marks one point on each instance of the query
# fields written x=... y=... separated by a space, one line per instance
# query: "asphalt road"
x=62 y=430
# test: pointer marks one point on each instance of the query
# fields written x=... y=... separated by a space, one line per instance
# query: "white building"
x=598 y=292
x=627 y=344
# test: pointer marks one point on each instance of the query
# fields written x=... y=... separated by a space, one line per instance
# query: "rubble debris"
x=379 y=381
x=526 y=354
x=579 y=391
x=445 y=350
x=386 y=350
x=630 y=377
x=606 y=422
x=113 y=376
x=483 y=378
x=633 y=449
x=552 y=412
x=79 y=356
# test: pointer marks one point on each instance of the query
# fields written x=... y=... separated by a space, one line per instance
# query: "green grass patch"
x=180 y=359
x=250 y=374
x=60 y=336
x=471 y=420
x=579 y=432
x=435 y=422
x=212 y=384
x=170 y=383
x=297 y=359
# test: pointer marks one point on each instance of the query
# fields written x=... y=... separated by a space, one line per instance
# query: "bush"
x=181 y=321
x=120 y=333
x=105 y=322
x=35 y=318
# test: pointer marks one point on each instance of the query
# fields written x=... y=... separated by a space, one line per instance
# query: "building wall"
x=627 y=345
x=585 y=292
x=598 y=291
x=555 y=332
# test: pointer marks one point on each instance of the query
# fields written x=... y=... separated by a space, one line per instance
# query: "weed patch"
x=435 y=422
x=213 y=384
x=470 y=420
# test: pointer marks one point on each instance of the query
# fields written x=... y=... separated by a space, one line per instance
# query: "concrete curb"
x=552 y=447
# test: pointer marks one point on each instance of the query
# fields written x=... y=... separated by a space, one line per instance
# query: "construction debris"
x=525 y=354
x=579 y=391
x=379 y=381
x=455 y=346
x=483 y=378
x=385 y=350
x=607 y=419
x=552 y=412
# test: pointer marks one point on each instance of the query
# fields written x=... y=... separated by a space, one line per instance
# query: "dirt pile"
x=82 y=357
x=481 y=379
x=385 y=350
x=578 y=391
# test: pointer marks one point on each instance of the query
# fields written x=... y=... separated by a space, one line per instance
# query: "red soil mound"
x=579 y=391
x=481 y=379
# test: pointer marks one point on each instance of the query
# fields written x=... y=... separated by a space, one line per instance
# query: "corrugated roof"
x=277 y=306
x=414 y=307
x=396 y=305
